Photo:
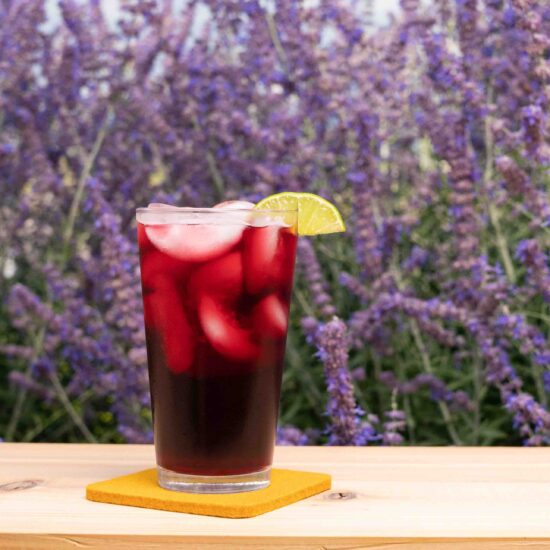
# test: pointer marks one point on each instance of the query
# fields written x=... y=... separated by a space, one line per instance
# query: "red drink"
x=216 y=293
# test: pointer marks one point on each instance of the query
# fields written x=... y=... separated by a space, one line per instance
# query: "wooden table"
x=413 y=498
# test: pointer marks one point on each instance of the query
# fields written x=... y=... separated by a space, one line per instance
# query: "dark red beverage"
x=216 y=292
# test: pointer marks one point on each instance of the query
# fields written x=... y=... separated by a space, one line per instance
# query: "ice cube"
x=271 y=316
x=191 y=234
x=164 y=314
x=222 y=277
x=219 y=288
x=155 y=266
x=260 y=253
x=160 y=205
x=194 y=242
x=223 y=331
x=235 y=205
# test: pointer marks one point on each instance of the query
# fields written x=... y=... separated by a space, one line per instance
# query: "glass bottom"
x=188 y=483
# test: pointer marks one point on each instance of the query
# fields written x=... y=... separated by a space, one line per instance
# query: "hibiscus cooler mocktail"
x=216 y=291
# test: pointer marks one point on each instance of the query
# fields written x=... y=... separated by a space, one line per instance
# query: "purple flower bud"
x=290 y=435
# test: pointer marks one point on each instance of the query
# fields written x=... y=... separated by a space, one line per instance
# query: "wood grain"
x=411 y=498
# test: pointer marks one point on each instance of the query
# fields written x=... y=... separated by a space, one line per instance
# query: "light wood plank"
x=115 y=542
x=439 y=498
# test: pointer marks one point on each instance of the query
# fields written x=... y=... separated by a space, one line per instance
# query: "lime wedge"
x=316 y=215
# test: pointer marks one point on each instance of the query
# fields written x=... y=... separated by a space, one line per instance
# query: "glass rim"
x=192 y=209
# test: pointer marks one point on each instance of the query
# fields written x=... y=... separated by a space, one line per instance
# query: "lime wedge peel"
x=316 y=215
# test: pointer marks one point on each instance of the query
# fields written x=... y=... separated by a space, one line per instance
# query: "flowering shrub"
x=427 y=322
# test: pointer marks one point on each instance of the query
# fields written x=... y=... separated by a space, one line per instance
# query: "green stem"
x=87 y=166
x=279 y=50
x=22 y=392
x=376 y=214
x=54 y=417
x=304 y=304
x=478 y=388
x=213 y=169
x=3 y=261
x=312 y=392
x=66 y=402
x=520 y=208
x=377 y=371
x=215 y=173
x=427 y=365
x=537 y=377
x=535 y=315
x=411 y=423
x=494 y=215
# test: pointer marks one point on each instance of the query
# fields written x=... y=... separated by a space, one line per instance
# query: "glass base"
x=187 y=483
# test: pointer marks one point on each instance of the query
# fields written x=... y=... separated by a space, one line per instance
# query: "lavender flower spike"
x=396 y=422
x=332 y=343
x=520 y=185
x=536 y=261
x=314 y=277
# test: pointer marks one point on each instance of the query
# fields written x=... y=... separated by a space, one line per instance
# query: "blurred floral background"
x=428 y=322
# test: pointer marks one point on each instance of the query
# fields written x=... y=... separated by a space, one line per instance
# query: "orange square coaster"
x=141 y=489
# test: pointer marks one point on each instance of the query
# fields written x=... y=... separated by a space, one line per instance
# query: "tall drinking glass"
x=216 y=293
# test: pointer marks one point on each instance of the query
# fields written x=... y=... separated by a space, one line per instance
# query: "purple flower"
x=533 y=127
x=315 y=278
x=439 y=391
x=355 y=286
x=332 y=344
x=430 y=134
x=290 y=435
x=395 y=422
x=24 y=381
x=519 y=185
x=530 y=254
x=417 y=259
